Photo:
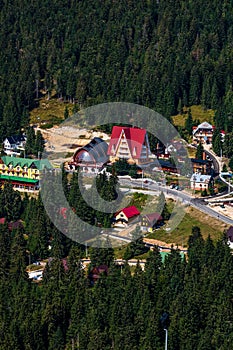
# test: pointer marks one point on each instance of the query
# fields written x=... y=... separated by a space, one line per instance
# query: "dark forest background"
x=161 y=54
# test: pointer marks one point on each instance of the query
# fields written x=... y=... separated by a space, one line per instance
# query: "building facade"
x=22 y=173
x=131 y=144
x=90 y=158
x=199 y=182
x=149 y=222
x=14 y=144
x=203 y=133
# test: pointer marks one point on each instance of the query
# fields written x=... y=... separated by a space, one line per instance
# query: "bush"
x=204 y=193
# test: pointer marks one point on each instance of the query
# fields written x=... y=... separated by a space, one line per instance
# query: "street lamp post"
x=165 y=323
x=166 y=338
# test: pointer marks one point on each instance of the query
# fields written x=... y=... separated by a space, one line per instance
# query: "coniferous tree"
x=189 y=122
x=200 y=150
x=30 y=143
x=217 y=142
x=39 y=144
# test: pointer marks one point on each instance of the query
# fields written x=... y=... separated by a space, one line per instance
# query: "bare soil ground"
x=62 y=142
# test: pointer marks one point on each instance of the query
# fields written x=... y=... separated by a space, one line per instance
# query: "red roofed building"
x=129 y=143
x=96 y=273
x=126 y=215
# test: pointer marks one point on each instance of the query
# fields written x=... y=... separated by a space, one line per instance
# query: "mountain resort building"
x=22 y=173
x=203 y=133
x=130 y=143
x=91 y=157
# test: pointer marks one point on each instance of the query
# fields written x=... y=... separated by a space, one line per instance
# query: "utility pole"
x=37 y=89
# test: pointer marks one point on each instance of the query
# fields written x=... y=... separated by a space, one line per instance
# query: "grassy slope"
x=193 y=217
x=197 y=113
x=49 y=110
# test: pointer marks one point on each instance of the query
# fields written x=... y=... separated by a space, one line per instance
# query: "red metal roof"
x=129 y=211
x=135 y=138
x=2 y=220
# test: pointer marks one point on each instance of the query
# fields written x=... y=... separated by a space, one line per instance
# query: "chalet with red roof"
x=131 y=144
x=126 y=215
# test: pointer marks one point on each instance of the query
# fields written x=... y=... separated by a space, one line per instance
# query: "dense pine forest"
x=121 y=308
x=161 y=54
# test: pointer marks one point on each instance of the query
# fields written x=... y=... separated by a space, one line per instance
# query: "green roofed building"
x=23 y=173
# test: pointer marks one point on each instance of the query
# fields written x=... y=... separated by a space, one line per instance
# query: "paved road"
x=215 y=162
x=218 y=166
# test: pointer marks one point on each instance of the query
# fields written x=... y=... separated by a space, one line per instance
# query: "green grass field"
x=49 y=111
x=197 y=113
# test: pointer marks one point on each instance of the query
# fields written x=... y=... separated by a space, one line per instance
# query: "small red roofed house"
x=97 y=272
x=131 y=144
x=126 y=215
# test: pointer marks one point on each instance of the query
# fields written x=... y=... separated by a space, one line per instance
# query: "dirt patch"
x=162 y=244
x=64 y=138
